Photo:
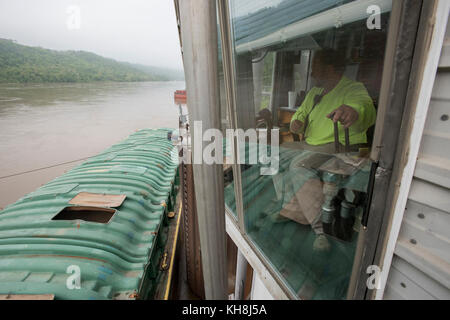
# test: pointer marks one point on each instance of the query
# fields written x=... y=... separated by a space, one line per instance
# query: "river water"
x=46 y=124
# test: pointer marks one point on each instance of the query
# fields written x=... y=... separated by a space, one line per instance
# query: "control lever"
x=336 y=137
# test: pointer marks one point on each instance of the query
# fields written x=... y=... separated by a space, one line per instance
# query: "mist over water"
x=46 y=124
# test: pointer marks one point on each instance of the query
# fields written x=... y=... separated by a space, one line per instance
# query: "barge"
x=97 y=232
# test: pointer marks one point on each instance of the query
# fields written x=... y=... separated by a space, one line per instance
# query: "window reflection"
x=225 y=121
x=316 y=81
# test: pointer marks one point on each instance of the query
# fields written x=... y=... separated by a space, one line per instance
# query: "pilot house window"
x=310 y=70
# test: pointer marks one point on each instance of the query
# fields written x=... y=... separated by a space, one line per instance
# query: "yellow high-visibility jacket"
x=320 y=129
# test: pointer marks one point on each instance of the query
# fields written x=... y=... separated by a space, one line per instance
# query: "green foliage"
x=20 y=63
x=268 y=69
x=267 y=79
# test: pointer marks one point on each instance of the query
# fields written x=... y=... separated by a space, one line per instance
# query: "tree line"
x=23 y=64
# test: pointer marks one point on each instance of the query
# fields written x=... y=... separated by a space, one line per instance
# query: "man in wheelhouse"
x=336 y=112
x=336 y=97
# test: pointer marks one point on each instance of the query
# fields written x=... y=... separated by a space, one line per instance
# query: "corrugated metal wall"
x=421 y=264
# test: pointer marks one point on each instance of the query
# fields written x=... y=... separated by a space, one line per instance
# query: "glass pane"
x=310 y=73
x=229 y=192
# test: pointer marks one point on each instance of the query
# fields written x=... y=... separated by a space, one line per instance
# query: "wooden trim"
x=248 y=282
x=403 y=28
x=433 y=28
x=255 y=261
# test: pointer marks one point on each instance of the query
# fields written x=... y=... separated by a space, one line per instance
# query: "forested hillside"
x=19 y=63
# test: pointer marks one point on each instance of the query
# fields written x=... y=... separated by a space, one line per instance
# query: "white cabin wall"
x=259 y=290
x=420 y=267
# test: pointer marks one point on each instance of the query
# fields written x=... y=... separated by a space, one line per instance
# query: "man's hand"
x=296 y=125
x=345 y=115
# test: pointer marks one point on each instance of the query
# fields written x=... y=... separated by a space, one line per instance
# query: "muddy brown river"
x=43 y=125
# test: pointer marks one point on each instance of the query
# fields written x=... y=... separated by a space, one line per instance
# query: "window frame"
x=400 y=31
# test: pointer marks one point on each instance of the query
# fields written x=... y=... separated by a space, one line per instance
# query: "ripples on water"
x=45 y=124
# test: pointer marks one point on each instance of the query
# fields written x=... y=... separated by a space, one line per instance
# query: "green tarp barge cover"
x=47 y=242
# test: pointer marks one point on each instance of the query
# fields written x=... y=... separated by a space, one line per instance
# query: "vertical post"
x=241 y=273
x=258 y=77
x=200 y=55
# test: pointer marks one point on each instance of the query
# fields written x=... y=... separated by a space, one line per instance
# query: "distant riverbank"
x=25 y=64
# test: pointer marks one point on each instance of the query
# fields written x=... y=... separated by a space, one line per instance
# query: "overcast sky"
x=137 y=31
